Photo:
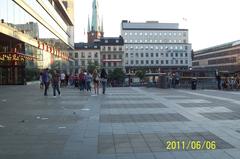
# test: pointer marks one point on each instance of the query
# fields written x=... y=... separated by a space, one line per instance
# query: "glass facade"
x=36 y=28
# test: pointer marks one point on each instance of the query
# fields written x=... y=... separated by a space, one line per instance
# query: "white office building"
x=155 y=46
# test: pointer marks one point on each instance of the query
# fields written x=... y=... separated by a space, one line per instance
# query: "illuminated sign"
x=18 y=57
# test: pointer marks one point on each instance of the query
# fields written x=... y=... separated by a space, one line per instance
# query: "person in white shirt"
x=62 y=77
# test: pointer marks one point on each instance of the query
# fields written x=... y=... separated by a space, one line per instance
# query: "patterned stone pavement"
x=126 y=123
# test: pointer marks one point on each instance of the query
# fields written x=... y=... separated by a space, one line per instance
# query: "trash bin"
x=194 y=83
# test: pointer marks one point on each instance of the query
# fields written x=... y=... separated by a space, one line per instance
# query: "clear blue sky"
x=210 y=22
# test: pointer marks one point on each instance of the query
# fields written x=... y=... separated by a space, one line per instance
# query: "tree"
x=92 y=66
x=116 y=76
x=140 y=74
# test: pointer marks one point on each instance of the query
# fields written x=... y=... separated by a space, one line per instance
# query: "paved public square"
x=126 y=123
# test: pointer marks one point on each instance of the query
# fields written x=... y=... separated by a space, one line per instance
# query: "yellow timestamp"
x=190 y=145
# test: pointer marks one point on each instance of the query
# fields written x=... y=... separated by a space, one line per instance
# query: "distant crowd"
x=226 y=82
x=84 y=81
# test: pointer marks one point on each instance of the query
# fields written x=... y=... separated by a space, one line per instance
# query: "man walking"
x=55 y=83
x=104 y=80
x=46 y=81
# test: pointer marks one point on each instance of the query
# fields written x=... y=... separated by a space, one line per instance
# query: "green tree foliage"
x=117 y=74
x=92 y=66
x=140 y=74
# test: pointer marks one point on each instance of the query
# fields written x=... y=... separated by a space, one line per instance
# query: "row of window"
x=166 y=47
x=84 y=63
x=156 y=41
x=109 y=48
x=155 y=34
x=112 y=64
x=176 y=54
x=156 y=62
x=114 y=56
x=84 y=55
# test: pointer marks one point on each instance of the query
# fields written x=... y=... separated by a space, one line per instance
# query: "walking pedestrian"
x=41 y=80
x=56 y=83
x=63 y=79
x=82 y=80
x=46 y=80
x=218 y=78
x=88 y=81
x=104 y=80
x=96 y=81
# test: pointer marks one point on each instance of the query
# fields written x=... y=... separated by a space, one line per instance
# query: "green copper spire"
x=95 y=17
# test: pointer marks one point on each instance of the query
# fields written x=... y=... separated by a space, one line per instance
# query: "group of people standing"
x=83 y=80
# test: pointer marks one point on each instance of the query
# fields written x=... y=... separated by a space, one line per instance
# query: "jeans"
x=46 y=84
x=89 y=86
x=104 y=83
x=56 y=87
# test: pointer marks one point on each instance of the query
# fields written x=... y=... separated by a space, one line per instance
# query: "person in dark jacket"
x=103 y=77
x=56 y=83
x=46 y=80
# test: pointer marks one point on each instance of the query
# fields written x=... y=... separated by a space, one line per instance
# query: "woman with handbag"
x=96 y=81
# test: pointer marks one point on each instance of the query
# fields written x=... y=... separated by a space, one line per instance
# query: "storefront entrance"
x=12 y=75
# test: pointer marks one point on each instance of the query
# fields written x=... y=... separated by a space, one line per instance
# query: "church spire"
x=89 y=28
x=102 y=24
x=95 y=17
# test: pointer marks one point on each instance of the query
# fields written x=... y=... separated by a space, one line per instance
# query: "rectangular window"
x=83 y=55
x=76 y=55
x=156 y=54
x=176 y=54
x=146 y=54
x=114 y=56
x=186 y=61
x=109 y=48
x=141 y=54
x=89 y=55
x=132 y=62
x=120 y=48
x=126 y=55
x=162 y=62
x=83 y=63
x=114 y=48
x=152 y=62
x=96 y=55
x=109 y=56
x=157 y=62
x=181 y=61
x=142 y=62
x=136 y=62
x=151 y=54
x=167 y=62
x=136 y=54
x=147 y=62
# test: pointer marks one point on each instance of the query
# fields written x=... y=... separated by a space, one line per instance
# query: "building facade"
x=112 y=53
x=84 y=55
x=23 y=26
x=155 y=46
x=225 y=57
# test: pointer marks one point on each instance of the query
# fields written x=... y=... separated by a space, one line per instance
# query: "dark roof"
x=86 y=46
x=218 y=47
x=112 y=41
